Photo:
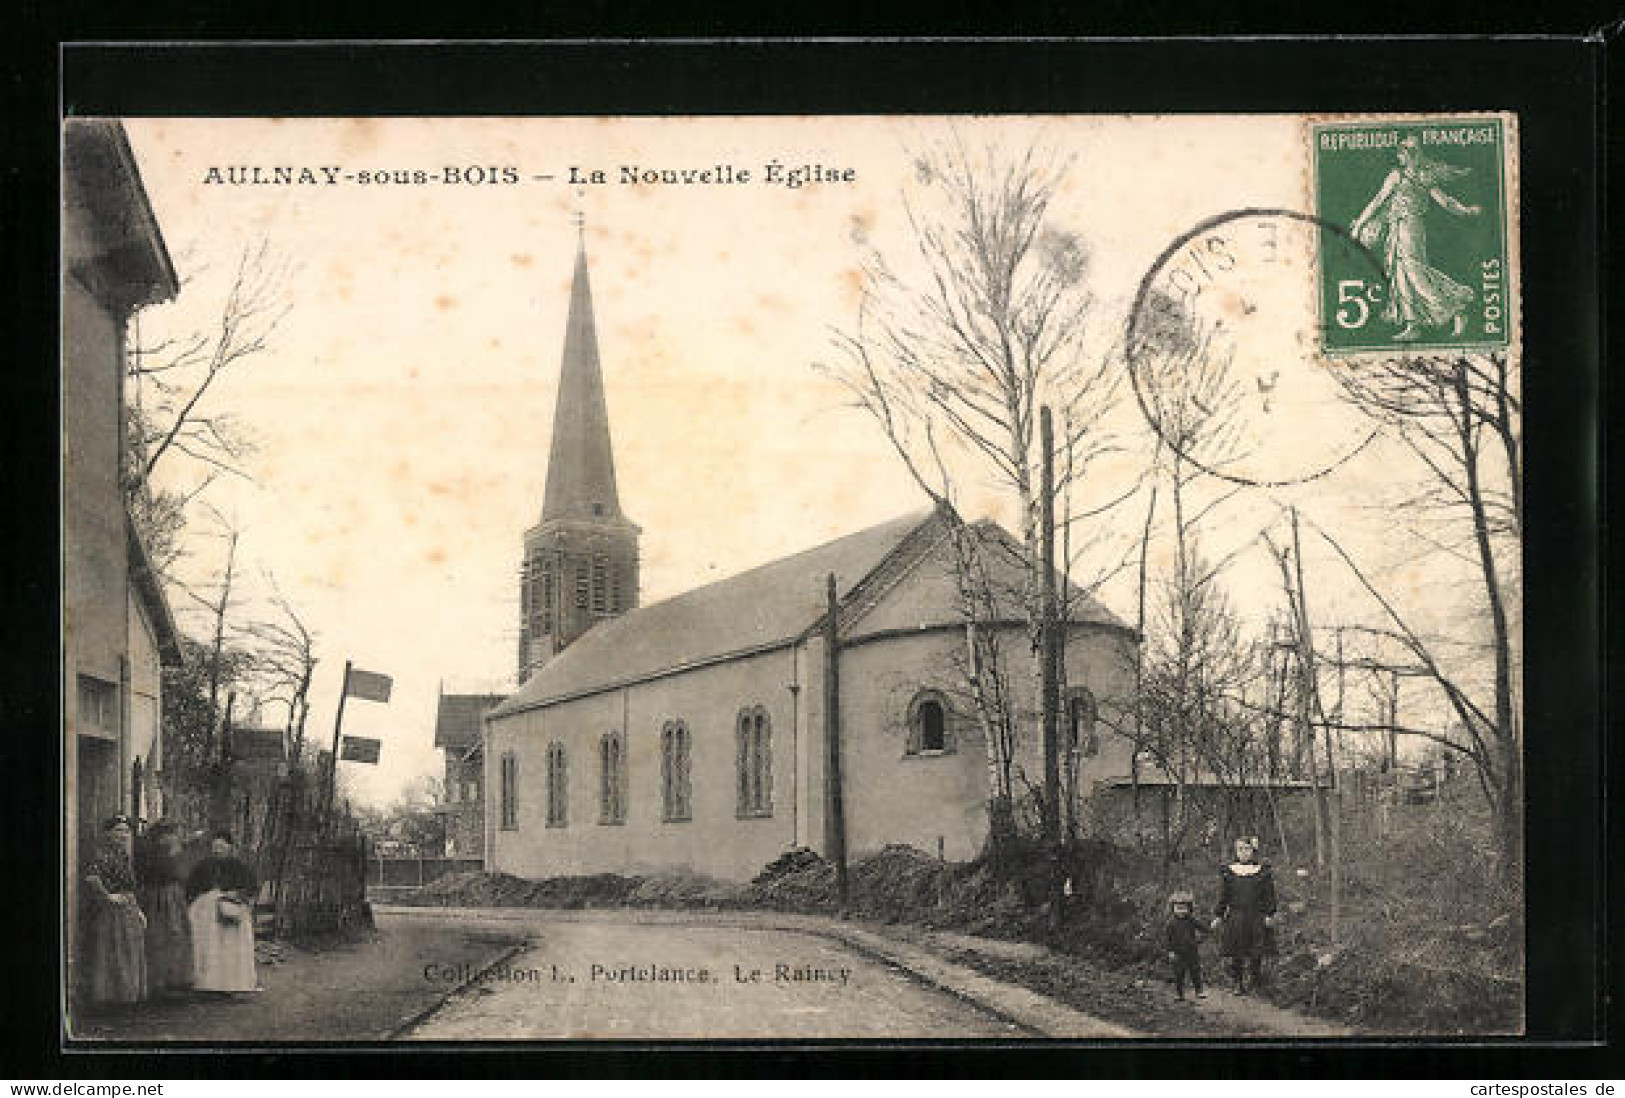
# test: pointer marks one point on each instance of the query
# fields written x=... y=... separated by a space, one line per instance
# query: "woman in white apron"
x=220 y=906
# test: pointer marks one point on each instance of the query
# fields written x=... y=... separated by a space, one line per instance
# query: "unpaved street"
x=616 y=979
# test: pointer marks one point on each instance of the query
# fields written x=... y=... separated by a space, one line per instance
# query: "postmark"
x=1225 y=348
x=1428 y=198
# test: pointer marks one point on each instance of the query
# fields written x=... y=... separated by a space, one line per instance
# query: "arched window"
x=558 y=787
x=755 y=743
x=509 y=792
x=1081 y=717
x=611 y=779
x=928 y=732
x=674 y=772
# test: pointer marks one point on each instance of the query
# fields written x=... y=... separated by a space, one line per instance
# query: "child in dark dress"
x=1184 y=936
x=1245 y=915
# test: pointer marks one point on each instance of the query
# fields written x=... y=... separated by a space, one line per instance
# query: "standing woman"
x=163 y=900
x=115 y=930
x=1245 y=914
x=220 y=905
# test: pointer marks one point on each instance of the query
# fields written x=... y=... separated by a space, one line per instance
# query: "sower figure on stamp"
x=1184 y=936
x=1394 y=225
x=1245 y=915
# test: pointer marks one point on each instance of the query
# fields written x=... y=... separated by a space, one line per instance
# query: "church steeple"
x=581 y=560
x=581 y=466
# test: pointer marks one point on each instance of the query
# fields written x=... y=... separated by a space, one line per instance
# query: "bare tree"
x=954 y=351
x=173 y=377
x=1196 y=665
x=1460 y=416
x=218 y=601
x=286 y=657
x=170 y=416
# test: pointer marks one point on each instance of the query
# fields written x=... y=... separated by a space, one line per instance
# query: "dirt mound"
x=794 y=882
x=896 y=883
x=681 y=889
x=479 y=889
x=797 y=860
x=472 y=889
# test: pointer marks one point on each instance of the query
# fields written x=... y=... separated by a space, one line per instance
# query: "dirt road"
x=618 y=979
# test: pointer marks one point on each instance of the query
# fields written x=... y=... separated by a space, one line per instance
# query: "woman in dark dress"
x=1245 y=915
x=220 y=903
x=159 y=886
x=115 y=929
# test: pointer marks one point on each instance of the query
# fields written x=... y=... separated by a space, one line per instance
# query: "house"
x=257 y=751
x=117 y=631
x=457 y=725
x=694 y=733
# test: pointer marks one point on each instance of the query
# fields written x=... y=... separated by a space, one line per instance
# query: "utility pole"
x=1048 y=655
x=220 y=771
x=333 y=756
x=1393 y=721
x=1334 y=815
x=1305 y=739
x=835 y=802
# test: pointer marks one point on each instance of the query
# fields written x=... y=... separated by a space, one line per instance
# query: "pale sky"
x=402 y=410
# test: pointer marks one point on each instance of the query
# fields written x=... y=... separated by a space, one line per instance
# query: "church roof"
x=761 y=608
x=769 y=607
x=580 y=464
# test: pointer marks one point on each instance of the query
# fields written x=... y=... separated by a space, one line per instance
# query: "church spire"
x=581 y=561
x=581 y=465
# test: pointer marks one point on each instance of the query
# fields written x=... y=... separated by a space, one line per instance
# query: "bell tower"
x=581 y=560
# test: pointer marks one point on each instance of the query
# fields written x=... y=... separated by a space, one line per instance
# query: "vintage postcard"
x=792 y=577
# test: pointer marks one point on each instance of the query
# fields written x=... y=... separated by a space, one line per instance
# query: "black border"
x=1555 y=86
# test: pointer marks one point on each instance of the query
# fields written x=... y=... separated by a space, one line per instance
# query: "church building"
x=693 y=733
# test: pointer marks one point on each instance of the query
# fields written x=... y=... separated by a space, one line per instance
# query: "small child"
x=1184 y=935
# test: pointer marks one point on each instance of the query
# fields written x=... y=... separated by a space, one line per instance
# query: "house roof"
x=770 y=607
x=102 y=181
x=251 y=744
x=149 y=591
x=457 y=721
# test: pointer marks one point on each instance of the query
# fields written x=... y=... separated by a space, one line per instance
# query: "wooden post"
x=942 y=874
x=333 y=756
x=1393 y=721
x=834 y=797
x=1139 y=660
x=1049 y=687
x=1300 y=648
x=219 y=809
x=1333 y=819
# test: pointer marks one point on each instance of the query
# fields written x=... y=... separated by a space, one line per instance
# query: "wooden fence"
x=400 y=872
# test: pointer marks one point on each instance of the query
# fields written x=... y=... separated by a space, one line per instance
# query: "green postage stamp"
x=1424 y=264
